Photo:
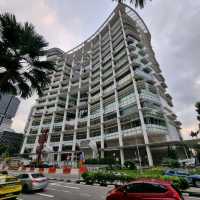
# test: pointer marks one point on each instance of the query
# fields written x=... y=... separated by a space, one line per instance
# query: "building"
x=8 y=108
x=13 y=140
x=108 y=90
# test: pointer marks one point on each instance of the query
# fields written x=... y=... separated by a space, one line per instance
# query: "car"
x=145 y=190
x=179 y=173
x=193 y=180
x=3 y=172
x=10 y=187
x=32 y=181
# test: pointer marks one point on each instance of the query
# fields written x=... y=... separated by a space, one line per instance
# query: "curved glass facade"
x=108 y=90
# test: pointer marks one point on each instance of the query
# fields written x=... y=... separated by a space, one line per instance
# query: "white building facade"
x=108 y=90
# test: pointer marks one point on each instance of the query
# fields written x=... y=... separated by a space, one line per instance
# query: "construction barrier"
x=52 y=170
x=83 y=170
x=41 y=170
x=66 y=170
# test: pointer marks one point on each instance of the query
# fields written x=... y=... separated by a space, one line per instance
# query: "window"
x=23 y=176
x=134 y=188
x=37 y=175
x=153 y=188
x=145 y=188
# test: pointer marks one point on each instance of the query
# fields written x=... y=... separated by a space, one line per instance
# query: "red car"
x=145 y=190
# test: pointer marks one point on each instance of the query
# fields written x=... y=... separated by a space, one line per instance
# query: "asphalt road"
x=68 y=191
x=71 y=191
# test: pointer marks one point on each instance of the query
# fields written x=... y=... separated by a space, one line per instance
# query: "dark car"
x=3 y=172
x=145 y=190
x=193 y=180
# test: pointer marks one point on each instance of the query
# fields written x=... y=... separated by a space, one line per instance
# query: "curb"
x=192 y=194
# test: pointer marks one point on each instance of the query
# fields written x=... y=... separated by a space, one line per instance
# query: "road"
x=71 y=191
x=68 y=191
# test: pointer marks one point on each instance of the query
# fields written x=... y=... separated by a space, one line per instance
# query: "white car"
x=32 y=181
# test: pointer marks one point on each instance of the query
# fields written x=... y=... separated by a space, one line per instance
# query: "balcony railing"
x=149 y=96
x=152 y=128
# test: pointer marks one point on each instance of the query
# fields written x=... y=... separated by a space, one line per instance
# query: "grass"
x=146 y=172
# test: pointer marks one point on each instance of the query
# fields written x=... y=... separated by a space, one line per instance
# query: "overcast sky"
x=175 y=30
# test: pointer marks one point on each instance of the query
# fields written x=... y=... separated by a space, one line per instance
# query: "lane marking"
x=46 y=195
x=77 y=188
x=86 y=195
x=71 y=187
x=58 y=190
x=53 y=183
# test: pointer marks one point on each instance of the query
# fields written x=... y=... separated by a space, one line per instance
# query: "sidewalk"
x=63 y=177
x=193 y=191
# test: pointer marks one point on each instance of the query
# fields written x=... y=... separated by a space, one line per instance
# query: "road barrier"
x=52 y=170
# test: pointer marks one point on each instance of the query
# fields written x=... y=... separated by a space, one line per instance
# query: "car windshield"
x=183 y=173
x=11 y=179
x=37 y=175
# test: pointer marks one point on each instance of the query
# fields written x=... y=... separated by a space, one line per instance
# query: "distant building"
x=8 y=108
x=12 y=140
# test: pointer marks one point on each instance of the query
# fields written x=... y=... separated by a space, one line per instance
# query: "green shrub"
x=129 y=165
x=105 y=177
x=88 y=178
x=179 y=182
x=171 y=163
x=101 y=161
x=91 y=161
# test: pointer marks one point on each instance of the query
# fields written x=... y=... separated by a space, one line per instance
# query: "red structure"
x=42 y=140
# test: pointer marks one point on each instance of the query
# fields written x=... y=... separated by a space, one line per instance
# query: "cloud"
x=175 y=30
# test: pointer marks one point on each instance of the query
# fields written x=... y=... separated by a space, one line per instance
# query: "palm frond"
x=137 y=3
x=48 y=65
x=20 y=48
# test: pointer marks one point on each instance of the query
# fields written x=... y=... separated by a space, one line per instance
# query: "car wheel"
x=197 y=183
x=25 y=188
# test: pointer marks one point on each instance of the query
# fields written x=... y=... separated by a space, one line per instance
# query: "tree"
x=3 y=149
x=22 y=70
x=137 y=3
x=197 y=106
x=194 y=134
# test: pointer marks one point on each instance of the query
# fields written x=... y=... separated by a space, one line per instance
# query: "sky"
x=174 y=27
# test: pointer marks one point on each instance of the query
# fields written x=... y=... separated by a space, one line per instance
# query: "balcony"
x=149 y=96
x=106 y=58
x=110 y=108
x=156 y=129
x=132 y=132
x=132 y=47
x=130 y=99
x=120 y=56
x=121 y=63
x=95 y=115
x=141 y=74
x=144 y=61
x=124 y=80
x=119 y=47
x=115 y=25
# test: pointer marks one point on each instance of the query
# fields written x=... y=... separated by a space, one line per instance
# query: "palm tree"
x=197 y=106
x=195 y=134
x=136 y=3
x=22 y=70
